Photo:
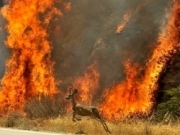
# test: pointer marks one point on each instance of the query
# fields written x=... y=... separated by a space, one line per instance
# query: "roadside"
x=10 y=131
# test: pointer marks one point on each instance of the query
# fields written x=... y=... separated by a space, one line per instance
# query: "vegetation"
x=90 y=126
x=45 y=107
x=85 y=36
x=170 y=107
x=168 y=100
x=42 y=115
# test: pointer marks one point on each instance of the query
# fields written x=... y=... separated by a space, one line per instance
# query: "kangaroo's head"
x=71 y=93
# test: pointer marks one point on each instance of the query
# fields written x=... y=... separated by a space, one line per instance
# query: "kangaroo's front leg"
x=74 y=116
x=78 y=119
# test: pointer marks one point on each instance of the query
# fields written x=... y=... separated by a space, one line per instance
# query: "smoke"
x=4 y=52
x=87 y=34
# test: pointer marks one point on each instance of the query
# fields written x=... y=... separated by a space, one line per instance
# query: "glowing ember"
x=135 y=93
x=88 y=84
x=29 y=69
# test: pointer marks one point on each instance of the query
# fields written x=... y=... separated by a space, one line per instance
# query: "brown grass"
x=90 y=126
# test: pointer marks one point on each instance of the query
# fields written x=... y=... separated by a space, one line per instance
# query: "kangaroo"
x=90 y=111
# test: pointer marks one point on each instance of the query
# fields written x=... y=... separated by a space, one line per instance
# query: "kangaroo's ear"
x=75 y=90
x=70 y=90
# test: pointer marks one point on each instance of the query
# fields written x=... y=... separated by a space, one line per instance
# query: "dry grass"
x=90 y=126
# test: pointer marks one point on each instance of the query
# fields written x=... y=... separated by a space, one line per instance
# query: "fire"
x=67 y=6
x=135 y=94
x=88 y=83
x=126 y=97
x=29 y=69
x=126 y=18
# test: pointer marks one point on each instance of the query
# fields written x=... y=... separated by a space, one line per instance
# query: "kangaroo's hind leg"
x=96 y=113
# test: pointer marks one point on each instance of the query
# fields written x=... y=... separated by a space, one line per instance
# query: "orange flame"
x=126 y=97
x=135 y=93
x=126 y=18
x=128 y=15
x=67 y=6
x=88 y=83
x=29 y=69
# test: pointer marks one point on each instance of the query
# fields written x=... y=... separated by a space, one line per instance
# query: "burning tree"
x=135 y=94
x=29 y=69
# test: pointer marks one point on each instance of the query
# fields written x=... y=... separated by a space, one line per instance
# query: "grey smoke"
x=87 y=34
x=4 y=51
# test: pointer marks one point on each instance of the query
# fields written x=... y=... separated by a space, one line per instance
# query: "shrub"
x=45 y=107
x=170 y=105
x=12 y=119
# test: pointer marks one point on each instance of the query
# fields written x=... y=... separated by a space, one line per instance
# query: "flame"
x=67 y=6
x=126 y=97
x=135 y=94
x=29 y=69
x=126 y=18
x=88 y=83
